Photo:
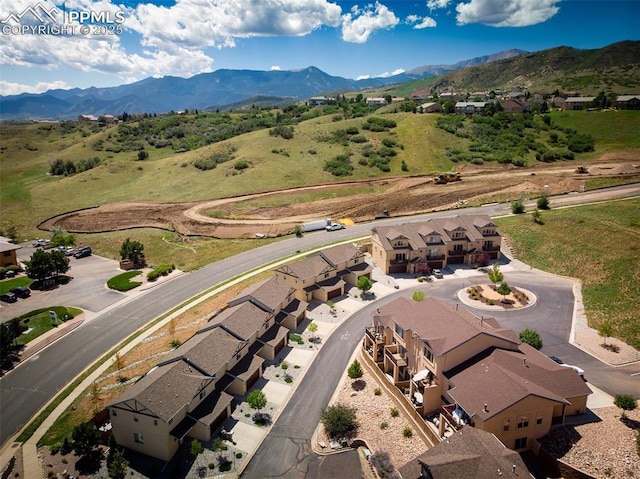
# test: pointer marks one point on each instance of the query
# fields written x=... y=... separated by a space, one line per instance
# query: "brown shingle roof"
x=468 y=454
x=209 y=349
x=503 y=378
x=269 y=293
x=340 y=254
x=244 y=319
x=307 y=268
x=439 y=323
x=165 y=390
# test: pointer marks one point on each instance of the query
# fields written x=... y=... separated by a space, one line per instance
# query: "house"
x=514 y=106
x=108 y=118
x=319 y=100
x=376 y=101
x=432 y=107
x=419 y=247
x=461 y=369
x=470 y=107
x=579 y=102
x=558 y=102
x=323 y=275
x=191 y=392
x=628 y=102
x=87 y=118
x=469 y=454
x=8 y=254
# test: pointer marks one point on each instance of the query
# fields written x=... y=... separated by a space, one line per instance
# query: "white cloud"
x=173 y=39
x=420 y=22
x=275 y=68
x=363 y=77
x=9 y=88
x=358 y=25
x=397 y=71
x=506 y=13
x=435 y=4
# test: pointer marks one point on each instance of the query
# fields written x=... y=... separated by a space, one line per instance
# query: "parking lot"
x=87 y=290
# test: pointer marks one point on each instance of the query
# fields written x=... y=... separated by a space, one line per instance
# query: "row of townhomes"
x=459 y=369
x=419 y=247
x=193 y=390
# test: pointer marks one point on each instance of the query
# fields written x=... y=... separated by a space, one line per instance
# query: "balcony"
x=491 y=248
x=455 y=416
x=399 y=261
x=457 y=253
x=396 y=358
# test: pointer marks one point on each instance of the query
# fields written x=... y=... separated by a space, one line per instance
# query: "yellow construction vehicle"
x=447 y=177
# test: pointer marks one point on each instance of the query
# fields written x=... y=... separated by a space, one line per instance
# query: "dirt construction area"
x=275 y=213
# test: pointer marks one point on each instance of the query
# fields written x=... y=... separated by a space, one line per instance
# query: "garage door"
x=397 y=268
x=334 y=294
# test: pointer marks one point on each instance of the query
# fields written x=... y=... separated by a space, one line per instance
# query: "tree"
x=133 y=251
x=7 y=337
x=495 y=275
x=95 y=395
x=517 y=207
x=605 y=330
x=537 y=217
x=118 y=466
x=355 y=370
x=339 y=420
x=256 y=399
x=531 y=337
x=543 y=202
x=85 y=438
x=364 y=284
x=196 y=448
x=504 y=289
x=297 y=230
x=39 y=266
x=625 y=402
x=118 y=363
x=142 y=155
x=59 y=262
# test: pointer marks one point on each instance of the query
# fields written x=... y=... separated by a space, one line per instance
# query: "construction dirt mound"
x=237 y=218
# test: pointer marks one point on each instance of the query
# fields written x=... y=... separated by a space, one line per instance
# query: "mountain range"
x=207 y=90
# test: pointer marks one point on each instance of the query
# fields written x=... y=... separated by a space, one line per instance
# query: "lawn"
x=14 y=283
x=39 y=321
x=600 y=245
x=122 y=282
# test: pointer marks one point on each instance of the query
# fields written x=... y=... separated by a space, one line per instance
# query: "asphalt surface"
x=31 y=385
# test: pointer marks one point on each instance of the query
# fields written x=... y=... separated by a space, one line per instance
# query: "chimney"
x=485 y=408
x=524 y=362
x=513 y=469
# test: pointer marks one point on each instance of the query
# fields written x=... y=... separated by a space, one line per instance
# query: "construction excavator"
x=447 y=177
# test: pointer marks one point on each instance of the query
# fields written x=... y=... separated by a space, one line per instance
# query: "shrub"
x=407 y=432
x=531 y=337
x=160 y=270
x=339 y=419
x=418 y=296
x=288 y=379
x=517 y=207
x=238 y=455
x=395 y=412
x=284 y=365
x=625 y=402
x=283 y=131
x=384 y=425
x=339 y=166
x=377 y=391
x=355 y=370
x=219 y=445
x=543 y=202
x=241 y=165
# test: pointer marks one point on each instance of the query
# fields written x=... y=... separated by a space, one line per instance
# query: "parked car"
x=21 y=291
x=335 y=227
x=70 y=251
x=436 y=273
x=8 y=297
x=83 y=252
x=579 y=371
x=40 y=242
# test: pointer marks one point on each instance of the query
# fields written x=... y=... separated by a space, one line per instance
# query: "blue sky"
x=350 y=39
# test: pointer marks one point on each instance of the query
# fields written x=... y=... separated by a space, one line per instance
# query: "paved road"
x=24 y=391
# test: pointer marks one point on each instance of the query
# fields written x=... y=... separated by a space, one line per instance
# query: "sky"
x=48 y=44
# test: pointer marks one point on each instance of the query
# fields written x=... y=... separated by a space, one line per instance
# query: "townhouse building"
x=419 y=247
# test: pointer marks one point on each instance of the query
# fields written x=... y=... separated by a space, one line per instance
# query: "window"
x=458 y=247
x=6 y=254
x=539 y=418
x=326 y=275
x=523 y=421
x=521 y=443
x=155 y=422
x=114 y=412
x=399 y=331
x=428 y=355
x=135 y=419
x=138 y=438
x=355 y=261
x=505 y=425
x=433 y=253
x=401 y=257
x=488 y=244
x=201 y=394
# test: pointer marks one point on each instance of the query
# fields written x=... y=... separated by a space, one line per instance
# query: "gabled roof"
x=439 y=324
x=8 y=247
x=470 y=453
x=269 y=294
x=580 y=99
x=244 y=319
x=501 y=379
x=163 y=391
x=307 y=268
x=208 y=350
x=628 y=97
x=341 y=254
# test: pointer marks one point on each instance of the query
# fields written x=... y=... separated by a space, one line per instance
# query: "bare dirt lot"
x=400 y=196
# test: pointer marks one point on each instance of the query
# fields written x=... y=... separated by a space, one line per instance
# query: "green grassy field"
x=9 y=284
x=123 y=281
x=39 y=321
x=600 y=245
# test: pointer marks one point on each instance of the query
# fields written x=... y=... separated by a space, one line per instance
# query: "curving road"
x=31 y=385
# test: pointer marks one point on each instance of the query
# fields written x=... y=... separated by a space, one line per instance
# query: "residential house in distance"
x=579 y=102
x=87 y=118
x=468 y=454
x=558 y=102
x=460 y=369
x=190 y=393
x=432 y=107
x=376 y=101
x=628 y=102
x=318 y=100
x=8 y=254
x=514 y=106
x=470 y=107
x=419 y=247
